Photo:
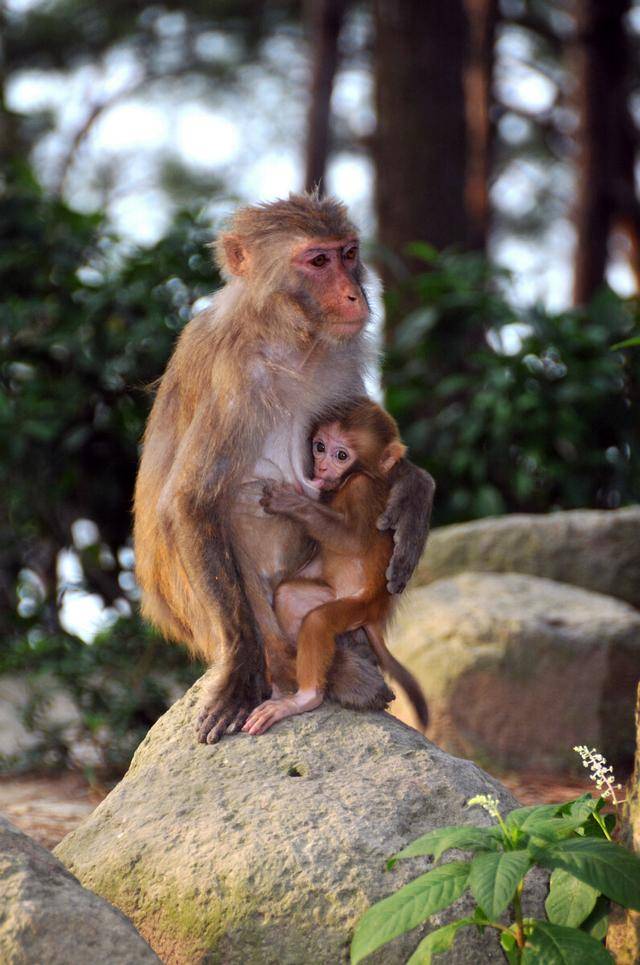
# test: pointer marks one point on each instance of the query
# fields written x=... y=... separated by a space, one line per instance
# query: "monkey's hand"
x=408 y=514
x=271 y=711
x=229 y=704
x=284 y=500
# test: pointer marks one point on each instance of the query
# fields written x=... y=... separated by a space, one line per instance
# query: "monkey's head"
x=363 y=438
x=305 y=249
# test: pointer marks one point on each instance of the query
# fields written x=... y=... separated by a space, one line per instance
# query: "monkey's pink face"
x=330 y=271
x=333 y=455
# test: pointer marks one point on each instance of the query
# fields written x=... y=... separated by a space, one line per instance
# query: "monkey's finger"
x=386 y=521
x=238 y=722
x=206 y=721
x=218 y=731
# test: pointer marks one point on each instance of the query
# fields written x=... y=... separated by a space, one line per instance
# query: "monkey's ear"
x=391 y=455
x=232 y=254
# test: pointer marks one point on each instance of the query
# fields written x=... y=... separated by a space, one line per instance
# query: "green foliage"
x=551 y=426
x=86 y=325
x=573 y=839
x=120 y=684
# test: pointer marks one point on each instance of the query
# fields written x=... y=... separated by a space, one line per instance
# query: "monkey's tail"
x=397 y=672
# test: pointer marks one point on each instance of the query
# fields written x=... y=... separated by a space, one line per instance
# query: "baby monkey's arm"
x=332 y=528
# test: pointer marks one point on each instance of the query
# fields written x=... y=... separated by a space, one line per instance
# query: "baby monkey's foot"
x=271 y=711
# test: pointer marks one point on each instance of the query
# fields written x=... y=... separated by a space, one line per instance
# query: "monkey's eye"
x=318 y=446
x=342 y=455
x=319 y=261
x=350 y=254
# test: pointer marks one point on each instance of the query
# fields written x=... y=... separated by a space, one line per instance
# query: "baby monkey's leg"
x=316 y=647
x=293 y=601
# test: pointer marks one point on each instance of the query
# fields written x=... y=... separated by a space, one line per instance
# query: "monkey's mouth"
x=324 y=485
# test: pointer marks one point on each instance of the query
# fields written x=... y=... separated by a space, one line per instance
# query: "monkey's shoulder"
x=363 y=489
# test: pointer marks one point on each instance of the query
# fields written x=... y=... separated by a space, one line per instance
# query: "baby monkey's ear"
x=391 y=455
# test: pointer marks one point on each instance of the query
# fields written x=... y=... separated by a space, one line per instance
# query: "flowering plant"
x=572 y=839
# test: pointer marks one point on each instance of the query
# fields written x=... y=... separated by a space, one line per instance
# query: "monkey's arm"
x=337 y=530
x=408 y=514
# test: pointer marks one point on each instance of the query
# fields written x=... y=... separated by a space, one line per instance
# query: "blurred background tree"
x=489 y=151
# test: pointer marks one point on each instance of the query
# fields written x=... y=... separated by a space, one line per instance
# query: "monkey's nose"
x=352 y=298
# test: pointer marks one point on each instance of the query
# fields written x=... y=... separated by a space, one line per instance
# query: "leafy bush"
x=87 y=324
x=120 y=684
x=573 y=840
x=550 y=426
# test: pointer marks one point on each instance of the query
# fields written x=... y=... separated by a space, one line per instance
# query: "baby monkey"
x=343 y=587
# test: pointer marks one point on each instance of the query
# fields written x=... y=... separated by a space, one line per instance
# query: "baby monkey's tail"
x=397 y=672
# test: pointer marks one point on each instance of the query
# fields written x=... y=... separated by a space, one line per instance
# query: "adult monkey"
x=281 y=343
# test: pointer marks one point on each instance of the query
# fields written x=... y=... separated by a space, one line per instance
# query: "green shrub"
x=552 y=426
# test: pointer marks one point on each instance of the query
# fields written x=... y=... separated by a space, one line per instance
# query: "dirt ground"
x=48 y=807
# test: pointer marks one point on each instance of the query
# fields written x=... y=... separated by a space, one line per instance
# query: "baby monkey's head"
x=361 y=438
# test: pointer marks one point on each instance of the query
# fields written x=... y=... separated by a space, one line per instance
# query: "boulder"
x=518 y=669
x=597 y=550
x=268 y=849
x=47 y=916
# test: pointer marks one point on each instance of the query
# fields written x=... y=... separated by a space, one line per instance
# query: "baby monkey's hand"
x=282 y=498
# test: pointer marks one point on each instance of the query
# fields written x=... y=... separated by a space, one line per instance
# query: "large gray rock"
x=598 y=550
x=518 y=669
x=46 y=916
x=267 y=850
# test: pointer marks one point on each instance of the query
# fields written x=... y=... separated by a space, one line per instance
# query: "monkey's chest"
x=274 y=546
x=285 y=456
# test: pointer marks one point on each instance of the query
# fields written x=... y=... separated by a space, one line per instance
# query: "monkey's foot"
x=271 y=711
x=227 y=708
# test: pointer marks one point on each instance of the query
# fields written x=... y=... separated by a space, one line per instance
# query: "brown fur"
x=352 y=559
x=247 y=379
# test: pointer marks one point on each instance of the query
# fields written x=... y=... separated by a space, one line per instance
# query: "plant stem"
x=517 y=910
x=602 y=824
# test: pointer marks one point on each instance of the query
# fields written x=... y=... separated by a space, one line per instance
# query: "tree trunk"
x=325 y=18
x=606 y=149
x=482 y=16
x=421 y=140
x=623 y=935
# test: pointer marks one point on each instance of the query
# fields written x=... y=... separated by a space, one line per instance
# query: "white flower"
x=486 y=801
x=601 y=774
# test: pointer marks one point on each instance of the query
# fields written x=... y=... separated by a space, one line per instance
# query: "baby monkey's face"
x=333 y=455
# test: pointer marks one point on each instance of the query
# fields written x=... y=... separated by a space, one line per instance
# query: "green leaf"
x=627 y=343
x=603 y=865
x=494 y=877
x=441 y=840
x=438 y=941
x=569 y=901
x=553 y=828
x=408 y=907
x=598 y=921
x=549 y=944
x=584 y=805
x=516 y=818
x=510 y=946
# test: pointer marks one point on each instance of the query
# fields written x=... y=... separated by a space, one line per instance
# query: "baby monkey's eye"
x=342 y=455
x=318 y=446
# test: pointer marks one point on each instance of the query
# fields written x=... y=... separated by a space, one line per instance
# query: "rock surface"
x=597 y=550
x=518 y=669
x=47 y=916
x=267 y=850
